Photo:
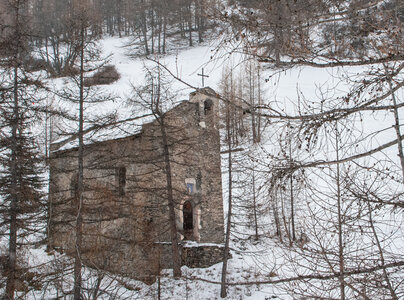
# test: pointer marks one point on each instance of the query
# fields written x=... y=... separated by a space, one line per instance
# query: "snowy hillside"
x=311 y=119
x=264 y=261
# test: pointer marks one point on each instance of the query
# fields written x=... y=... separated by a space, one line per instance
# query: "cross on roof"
x=203 y=78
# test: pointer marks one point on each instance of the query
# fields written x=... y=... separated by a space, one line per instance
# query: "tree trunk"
x=276 y=219
x=12 y=247
x=223 y=292
x=164 y=33
x=292 y=200
x=153 y=29
x=380 y=249
x=199 y=17
x=14 y=199
x=119 y=17
x=171 y=204
x=144 y=28
x=259 y=103
x=396 y=121
x=340 y=233
x=79 y=217
x=190 y=24
x=251 y=89
x=181 y=23
x=97 y=285
x=159 y=33
x=292 y=208
x=255 y=205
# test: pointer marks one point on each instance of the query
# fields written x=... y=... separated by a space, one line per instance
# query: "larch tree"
x=21 y=203
x=155 y=98
x=352 y=38
x=81 y=91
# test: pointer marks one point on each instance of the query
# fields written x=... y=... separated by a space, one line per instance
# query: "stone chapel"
x=125 y=207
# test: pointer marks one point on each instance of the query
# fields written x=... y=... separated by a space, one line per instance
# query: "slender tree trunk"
x=119 y=17
x=144 y=28
x=190 y=24
x=292 y=199
x=171 y=203
x=255 y=204
x=259 y=103
x=158 y=288
x=164 y=34
x=181 y=23
x=159 y=33
x=199 y=19
x=396 y=120
x=252 y=100
x=153 y=25
x=97 y=286
x=340 y=233
x=46 y=133
x=223 y=292
x=292 y=208
x=286 y=224
x=110 y=25
x=379 y=247
x=50 y=200
x=279 y=28
x=79 y=217
x=277 y=221
x=12 y=247
x=14 y=199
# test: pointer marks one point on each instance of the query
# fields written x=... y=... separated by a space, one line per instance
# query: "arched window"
x=121 y=180
x=207 y=105
x=188 y=225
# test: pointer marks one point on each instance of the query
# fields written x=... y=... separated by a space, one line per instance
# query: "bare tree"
x=156 y=97
x=337 y=231
x=79 y=92
x=229 y=89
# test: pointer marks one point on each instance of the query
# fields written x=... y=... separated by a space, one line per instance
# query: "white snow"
x=262 y=260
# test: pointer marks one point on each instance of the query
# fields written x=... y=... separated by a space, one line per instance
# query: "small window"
x=208 y=105
x=190 y=185
x=121 y=178
x=190 y=188
x=74 y=188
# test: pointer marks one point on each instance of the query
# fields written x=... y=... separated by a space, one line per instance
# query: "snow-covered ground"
x=252 y=261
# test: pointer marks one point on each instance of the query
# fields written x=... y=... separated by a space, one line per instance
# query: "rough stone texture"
x=202 y=256
x=125 y=233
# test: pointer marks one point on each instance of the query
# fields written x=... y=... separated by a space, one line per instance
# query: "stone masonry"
x=125 y=205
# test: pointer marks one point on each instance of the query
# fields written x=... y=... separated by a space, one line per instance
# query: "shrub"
x=32 y=64
x=106 y=75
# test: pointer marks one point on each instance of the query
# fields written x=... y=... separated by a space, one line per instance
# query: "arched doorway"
x=188 y=218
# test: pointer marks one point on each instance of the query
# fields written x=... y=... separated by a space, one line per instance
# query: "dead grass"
x=106 y=75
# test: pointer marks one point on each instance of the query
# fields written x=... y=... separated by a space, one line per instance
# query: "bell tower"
x=204 y=208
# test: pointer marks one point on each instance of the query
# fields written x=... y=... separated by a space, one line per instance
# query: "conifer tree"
x=20 y=182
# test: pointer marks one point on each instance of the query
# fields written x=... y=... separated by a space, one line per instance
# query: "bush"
x=106 y=75
x=32 y=64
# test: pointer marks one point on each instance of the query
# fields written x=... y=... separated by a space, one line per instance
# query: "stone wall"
x=202 y=256
x=193 y=255
x=121 y=229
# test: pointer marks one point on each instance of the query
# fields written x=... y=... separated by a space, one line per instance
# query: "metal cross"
x=203 y=78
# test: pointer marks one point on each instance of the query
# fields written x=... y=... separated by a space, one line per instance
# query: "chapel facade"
x=125 y=208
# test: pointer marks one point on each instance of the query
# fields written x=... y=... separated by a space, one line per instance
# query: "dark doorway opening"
x=208 y=105
x=188 y=225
